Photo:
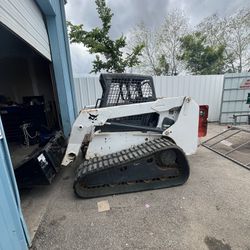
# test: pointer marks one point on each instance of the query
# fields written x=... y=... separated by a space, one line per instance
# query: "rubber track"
x=122 y=158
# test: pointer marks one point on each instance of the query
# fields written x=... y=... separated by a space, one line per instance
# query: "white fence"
x=205 y=89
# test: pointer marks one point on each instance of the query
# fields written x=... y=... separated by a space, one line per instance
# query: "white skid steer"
x=132 y=141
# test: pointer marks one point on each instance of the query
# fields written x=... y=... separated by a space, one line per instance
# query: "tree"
x=109 y=53
x=174 y=27
x=234 y=33
x=150 y=53
x=163 y=65
x=162 y=45
x=201 y=58
x=239 y=42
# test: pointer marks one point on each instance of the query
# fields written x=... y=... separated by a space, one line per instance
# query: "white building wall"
x=205 y=89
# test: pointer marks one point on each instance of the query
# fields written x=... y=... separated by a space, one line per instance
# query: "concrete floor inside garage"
x=211 y=211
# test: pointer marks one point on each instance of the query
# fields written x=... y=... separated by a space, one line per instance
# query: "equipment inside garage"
x=29 y=111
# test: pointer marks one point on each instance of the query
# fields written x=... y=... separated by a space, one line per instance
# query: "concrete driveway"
x=211 y=211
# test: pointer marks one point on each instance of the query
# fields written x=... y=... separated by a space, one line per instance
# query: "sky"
x=129 y=13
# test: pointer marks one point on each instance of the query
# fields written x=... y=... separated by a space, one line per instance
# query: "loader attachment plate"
x=152 y=165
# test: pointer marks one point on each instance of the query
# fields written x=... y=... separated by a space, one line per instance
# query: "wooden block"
x=103 y=206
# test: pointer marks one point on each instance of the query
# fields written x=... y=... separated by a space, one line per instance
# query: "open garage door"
x=25 y=19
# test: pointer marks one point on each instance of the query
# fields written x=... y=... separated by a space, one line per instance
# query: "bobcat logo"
x=92 y=117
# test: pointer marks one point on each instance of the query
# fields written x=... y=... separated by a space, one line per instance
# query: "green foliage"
x=109 y=54
x=201 y=58
x=163 y=67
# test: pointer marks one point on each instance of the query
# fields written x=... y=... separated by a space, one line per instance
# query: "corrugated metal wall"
x=234 y=98
x=206 y=89
x=87 y=91
x=25 y=19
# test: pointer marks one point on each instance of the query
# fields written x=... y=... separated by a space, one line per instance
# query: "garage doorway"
x=31 y=119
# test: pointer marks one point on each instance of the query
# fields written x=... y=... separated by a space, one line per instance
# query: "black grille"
x=120 y=89
x=126 y=91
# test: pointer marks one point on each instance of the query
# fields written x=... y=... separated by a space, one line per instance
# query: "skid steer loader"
x=132 y=141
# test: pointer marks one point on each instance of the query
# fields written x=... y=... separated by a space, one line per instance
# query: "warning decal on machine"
x=245 y=84
x=41 y=158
